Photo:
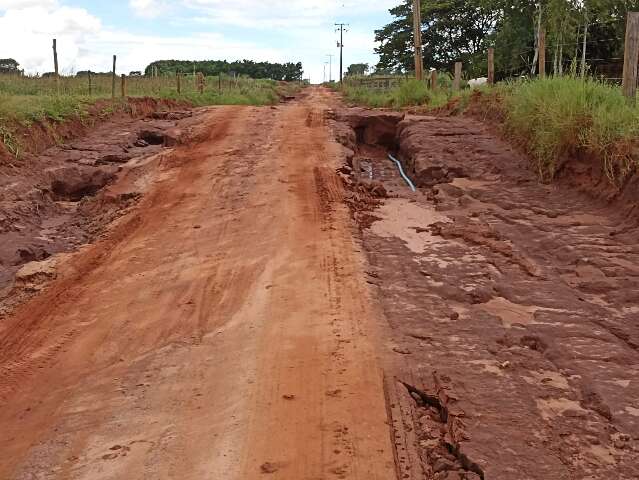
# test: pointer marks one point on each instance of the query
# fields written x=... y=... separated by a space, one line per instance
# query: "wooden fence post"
x=55 y=66
x=542 y=52
x=90 y=86
x=491 y=66
x=631 y=57
x=179 y=82
x=219 y=81
x=123 y=86
x=433 y=80
x=458 y=74
x=200 y=82
x=417 y=33
x=113 y=79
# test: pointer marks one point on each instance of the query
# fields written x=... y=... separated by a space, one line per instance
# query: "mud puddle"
x=510 y=292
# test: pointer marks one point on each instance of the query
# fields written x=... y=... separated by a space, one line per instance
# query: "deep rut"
x=522 y=296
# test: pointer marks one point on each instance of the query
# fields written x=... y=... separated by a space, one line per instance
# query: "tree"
x=247 y=68
x=9 y=65
x=357 y=69
x=452 y=30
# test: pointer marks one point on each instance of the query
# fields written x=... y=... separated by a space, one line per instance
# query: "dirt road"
x=511 y=306
x=237 y=324
x=220 y=330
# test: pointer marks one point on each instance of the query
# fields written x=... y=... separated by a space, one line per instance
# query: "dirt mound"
x=62 y=198
x=39 y=135
x=585 y=171
x=433 y=152
x=70 y=183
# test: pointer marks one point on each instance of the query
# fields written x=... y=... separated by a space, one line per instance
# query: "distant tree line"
x=276 y=71
x=463 y=30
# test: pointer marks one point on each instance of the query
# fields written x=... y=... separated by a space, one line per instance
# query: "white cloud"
x=282 y=13
x=149 y=8
x=85 y=43
x=8 y=4
x=36 y=26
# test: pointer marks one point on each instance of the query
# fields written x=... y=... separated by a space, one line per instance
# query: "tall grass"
x=561 y=115
x=25 y=99
x=552 y=118
x=408 y=93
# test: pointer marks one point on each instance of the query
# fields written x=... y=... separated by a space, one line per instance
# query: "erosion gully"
x=243 y=292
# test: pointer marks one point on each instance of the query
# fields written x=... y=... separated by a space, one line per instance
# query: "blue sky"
x=140 y=31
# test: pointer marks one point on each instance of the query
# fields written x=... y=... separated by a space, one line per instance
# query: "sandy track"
x=221 y=330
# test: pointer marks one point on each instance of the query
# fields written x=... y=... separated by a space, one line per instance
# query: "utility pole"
x=330 y=67
x=417 y=33
x=341 y=30
x=325 y=63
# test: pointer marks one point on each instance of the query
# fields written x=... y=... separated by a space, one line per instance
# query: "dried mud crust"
x=522 y=297
x=64 y=197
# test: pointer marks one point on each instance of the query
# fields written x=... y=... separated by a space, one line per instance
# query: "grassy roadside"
x=18 y=104
x=559 y=116
x=551 y=118
x=21 y=104
x=409 y=94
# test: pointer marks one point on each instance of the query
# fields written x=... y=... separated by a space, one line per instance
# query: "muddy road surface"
x=277 y=304
x=512 y=306
x=219 y=330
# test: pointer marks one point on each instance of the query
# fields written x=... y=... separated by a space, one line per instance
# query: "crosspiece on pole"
x=631 y=57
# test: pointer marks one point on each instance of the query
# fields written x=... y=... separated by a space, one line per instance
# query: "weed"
x=409 y=93
x=9 y=141
x=552 y=118
x=558 y=116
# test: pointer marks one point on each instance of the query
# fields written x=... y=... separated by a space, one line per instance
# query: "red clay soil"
x=221 y=329
x=512 y=310
x=60 y=199
x=234 y=323
x=42 y=134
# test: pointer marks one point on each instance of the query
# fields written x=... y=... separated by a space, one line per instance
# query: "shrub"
x=560 y=115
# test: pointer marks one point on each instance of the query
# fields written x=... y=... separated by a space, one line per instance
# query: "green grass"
x=409 y=93
x=562 y=115
x=552 y=118
x=27 y=99
x=28 y=108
